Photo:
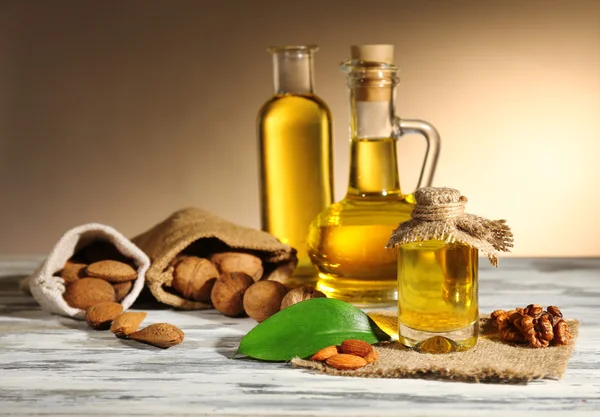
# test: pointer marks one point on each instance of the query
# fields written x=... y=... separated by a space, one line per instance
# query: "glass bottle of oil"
x=346 y=241
x=438 y=308
x=295 y=142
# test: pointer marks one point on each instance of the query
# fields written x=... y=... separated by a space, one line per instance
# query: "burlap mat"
x=200 y=232
x=491 y=360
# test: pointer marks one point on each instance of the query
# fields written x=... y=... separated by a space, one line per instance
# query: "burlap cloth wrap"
x=185 y=227
x=491 y=360
x=439 y=214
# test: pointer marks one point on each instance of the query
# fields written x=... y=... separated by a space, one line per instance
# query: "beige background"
x=123 y=111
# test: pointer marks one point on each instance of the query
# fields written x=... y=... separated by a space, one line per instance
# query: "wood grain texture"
x=51 y=365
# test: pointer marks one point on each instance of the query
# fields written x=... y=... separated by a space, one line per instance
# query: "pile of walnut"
x=105 y=315
x=533 y=325
x=351 y=354
x=234 y=284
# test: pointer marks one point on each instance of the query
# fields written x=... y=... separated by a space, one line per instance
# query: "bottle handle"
x=432 y=152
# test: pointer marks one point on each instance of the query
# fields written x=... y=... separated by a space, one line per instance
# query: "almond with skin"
x=86 y=292
x=356 y=347
x=325 y=353
x=122 y=289
x=72 y=272
x=112 y=271
x=372 y=357
x=127 y=323
x=101 y=315
x=344 y=361
x=162 y=335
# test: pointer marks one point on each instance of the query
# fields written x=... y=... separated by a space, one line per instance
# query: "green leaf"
x=304 y=328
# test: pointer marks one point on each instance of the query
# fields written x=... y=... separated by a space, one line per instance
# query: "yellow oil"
x=346 y=242
x=437 y=293
x=295 y=161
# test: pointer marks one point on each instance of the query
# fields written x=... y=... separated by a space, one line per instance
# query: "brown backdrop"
x=123 y=111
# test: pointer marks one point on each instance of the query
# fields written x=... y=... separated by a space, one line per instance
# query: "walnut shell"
x=284 y=270
x=300 y=294
x=238 y=262
x=263 y=299
x=228 y=293
x=194 y=278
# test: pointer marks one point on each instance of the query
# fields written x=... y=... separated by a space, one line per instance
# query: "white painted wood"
x=51 y=365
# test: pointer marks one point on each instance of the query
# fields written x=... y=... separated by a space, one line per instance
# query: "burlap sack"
x=47 y=289
x=439 y=213
x=491 y=360
x=201 y=233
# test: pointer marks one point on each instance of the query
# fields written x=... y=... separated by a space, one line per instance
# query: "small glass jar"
x=438 y=310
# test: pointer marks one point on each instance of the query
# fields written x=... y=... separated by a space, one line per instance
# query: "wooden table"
x=52 y=365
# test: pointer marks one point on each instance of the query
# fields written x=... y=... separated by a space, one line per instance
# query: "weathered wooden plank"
x=51 y=365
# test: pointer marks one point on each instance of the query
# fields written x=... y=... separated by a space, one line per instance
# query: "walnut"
x=300 y=294
x=562 y=334
x=534 y=310
x=263 y=299
x=238 y=262
x=495 y=315
x=228 y=293
x=194 y=278
x=530 y=333
x=555 y=311
x=283 y=271
x=533 y=325
x=544 y=328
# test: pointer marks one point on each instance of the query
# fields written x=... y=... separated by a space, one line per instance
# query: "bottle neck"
x=293 y=69
x=374 y=134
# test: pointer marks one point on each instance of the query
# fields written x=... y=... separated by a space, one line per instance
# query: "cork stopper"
x=373 y=53
x=378 y=54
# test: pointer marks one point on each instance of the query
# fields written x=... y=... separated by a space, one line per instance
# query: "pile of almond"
x=105 y=315
x=236 y=285
x=96 y=274
x=351 y=354
x=96 y=279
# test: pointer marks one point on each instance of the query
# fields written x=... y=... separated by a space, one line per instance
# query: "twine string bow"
x=439 y=214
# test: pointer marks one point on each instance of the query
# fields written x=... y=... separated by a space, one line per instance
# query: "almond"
x=100 y=316
x=356 y=347
x=122 y=289
x=112 y=271
x=344 y=361
x=163 y=335
x=86 y=292
x=372 y=357
x=325 y=353
x=127 y=323
x=72 y=272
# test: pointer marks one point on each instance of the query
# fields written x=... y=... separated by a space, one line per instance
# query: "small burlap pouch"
x=491 y=360
x=198 y=232
x=439 y=214
x=47 y=288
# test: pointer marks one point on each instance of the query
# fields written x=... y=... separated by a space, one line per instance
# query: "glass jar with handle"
x=346 y=242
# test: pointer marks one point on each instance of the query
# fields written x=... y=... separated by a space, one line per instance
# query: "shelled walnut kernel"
x=533 y=325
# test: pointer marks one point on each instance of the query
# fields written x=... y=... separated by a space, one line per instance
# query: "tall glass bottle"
x=295 y=140
x=347 y=240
